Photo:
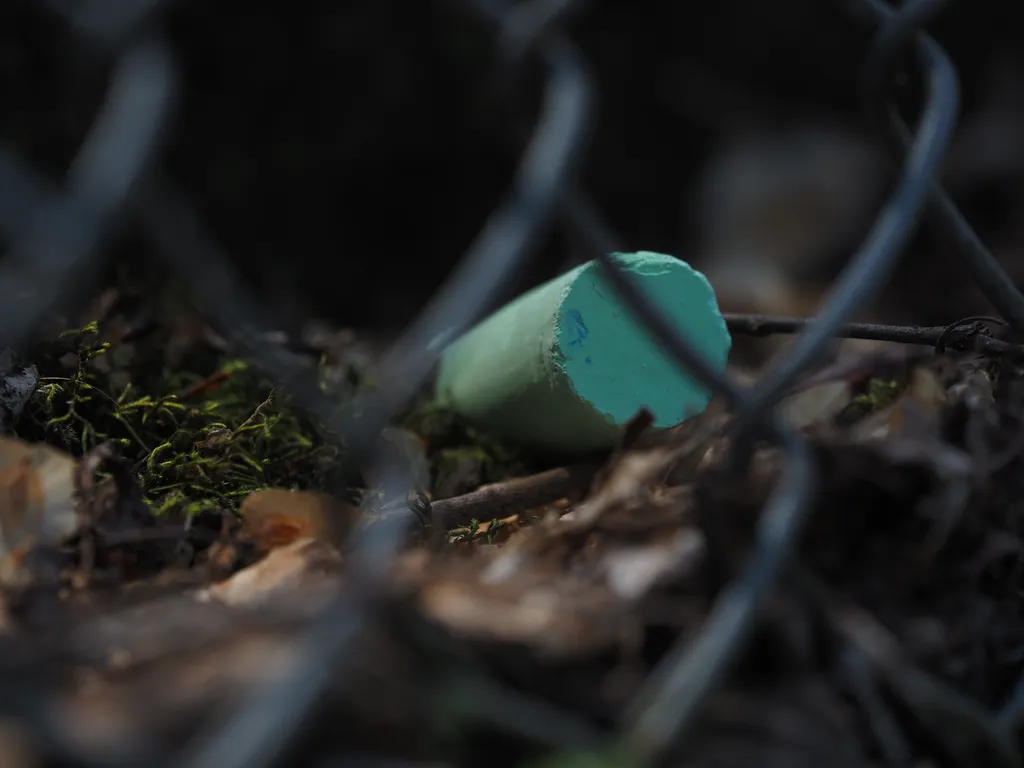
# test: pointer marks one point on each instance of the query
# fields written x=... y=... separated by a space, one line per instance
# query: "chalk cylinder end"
x=565 y=366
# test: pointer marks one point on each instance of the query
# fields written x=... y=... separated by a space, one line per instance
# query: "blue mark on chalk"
x=587 y=360
x=579 y=329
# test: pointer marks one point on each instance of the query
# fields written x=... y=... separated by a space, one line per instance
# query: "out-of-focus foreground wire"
x=57 y=231
x=894 y=225
x=264 y=727
x=670 y=700
x=987 y=272
x=57 y=244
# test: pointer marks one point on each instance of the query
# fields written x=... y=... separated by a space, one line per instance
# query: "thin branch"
x=518 y=495
x=514 y=496
x=955 y=336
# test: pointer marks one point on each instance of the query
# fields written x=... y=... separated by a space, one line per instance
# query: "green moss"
x=203 y=430
x=876 y=394
x=613 y=756
x=462 y=456
x=190 y=454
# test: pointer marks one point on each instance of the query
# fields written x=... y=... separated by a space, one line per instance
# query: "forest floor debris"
x=168 y=545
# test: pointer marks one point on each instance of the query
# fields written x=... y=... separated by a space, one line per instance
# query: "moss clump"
x=198 y=440
x=876 y=394
x=202 y=430
x=462 y=457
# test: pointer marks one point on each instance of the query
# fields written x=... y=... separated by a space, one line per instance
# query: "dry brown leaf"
x=816 y=403
x=560 y=618
x=631 y=571
x=816 y=406
x=38 y=504
x=304 y=565
x=125 y=717
x=914 y=414
x=627 y=482
x=277 y=517
x=567 y=588
x=909 y=431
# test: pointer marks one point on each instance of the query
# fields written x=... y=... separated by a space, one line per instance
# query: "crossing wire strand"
x=126 y=135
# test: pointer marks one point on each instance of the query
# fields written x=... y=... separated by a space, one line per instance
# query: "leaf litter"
x=168 y=533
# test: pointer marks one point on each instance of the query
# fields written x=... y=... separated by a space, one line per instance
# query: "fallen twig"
x=514 y=496
x=935 y=336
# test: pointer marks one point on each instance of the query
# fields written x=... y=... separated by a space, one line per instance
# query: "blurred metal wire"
x=54 y=244
x=58 y=231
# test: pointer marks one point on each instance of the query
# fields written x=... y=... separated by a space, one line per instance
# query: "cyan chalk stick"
x=565 y=366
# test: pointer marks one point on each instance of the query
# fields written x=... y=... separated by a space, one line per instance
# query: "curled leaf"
x=301 y=568
x=276 y=517
x=38 y=502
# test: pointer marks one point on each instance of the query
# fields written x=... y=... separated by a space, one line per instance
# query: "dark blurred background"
x=346 y=153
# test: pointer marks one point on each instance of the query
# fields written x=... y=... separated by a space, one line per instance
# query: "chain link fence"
x=57 y=233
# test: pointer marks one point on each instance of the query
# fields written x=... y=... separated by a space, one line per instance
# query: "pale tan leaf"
x=276 y=517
